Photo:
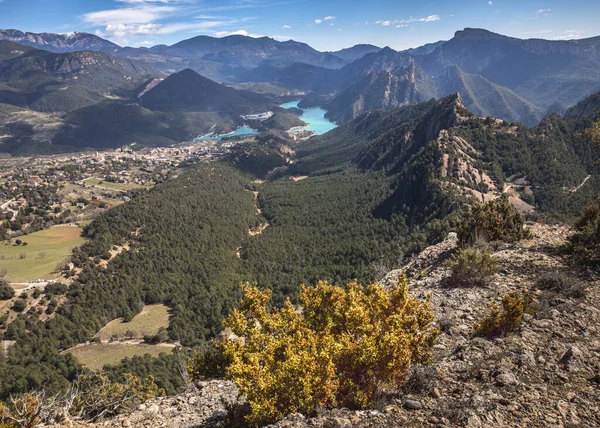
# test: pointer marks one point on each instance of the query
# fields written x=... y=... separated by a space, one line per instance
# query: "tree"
x=19 y=305
x=6 y=291
x=593 y=133
x=495 y=220
x=336 y=349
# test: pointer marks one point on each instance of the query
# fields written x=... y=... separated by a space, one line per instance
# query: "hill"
x=47 y=81
x=355 y=52
x=87 y=127
x=189 y=91
x=440 y=153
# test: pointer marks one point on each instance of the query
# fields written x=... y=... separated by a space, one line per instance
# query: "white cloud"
x=130 y=15
x=430 y=18
x=144 y=43
x=491 y=3
x=529 y=33
x=569 y=35
x=236 y=33
x=327 y=18
x=543 y=12
x=400 y=23
x=123 y=32
x=287 y=27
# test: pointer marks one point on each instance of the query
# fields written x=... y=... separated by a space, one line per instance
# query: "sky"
x=323 y=24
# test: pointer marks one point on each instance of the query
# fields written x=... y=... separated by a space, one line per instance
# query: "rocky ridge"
x=547 y=374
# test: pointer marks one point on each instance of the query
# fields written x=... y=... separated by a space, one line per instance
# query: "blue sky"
x=324 y=24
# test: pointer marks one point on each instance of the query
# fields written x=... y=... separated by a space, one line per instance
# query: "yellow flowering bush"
x=23 y=411
x=502 y=321
x=336 y=349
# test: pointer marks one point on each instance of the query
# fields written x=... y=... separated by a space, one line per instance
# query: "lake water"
x=244 y=130
x=314 y=117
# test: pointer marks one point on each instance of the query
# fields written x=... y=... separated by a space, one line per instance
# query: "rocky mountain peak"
x=477 y=34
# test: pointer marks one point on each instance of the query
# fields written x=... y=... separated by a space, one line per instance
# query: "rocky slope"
x=547 y=374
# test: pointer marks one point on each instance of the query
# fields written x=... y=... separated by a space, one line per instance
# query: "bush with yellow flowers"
x=337 y=348
x=23 y=411
x=502 y=321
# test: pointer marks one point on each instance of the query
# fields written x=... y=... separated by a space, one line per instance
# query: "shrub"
x=420 y=380
x=22 y=412
x=585 y=244
x=19 y=305
x=500 y=322
x=495 y=220
x=562 y=284
x=6 y=291
x=56 y=289
x=336 y=351
x=96 y=397
x=470 y=268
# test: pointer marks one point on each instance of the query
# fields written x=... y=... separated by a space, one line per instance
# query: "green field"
x=113 y=186
x=146 y=323
x=44 y=250
x=95 y=356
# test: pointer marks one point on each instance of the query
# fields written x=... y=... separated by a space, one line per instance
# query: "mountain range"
x=503 y=77
x=48 y=81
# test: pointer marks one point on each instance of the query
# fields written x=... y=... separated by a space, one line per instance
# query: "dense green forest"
x=183 y=255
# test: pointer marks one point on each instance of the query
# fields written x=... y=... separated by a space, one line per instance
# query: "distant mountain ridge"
x=47 y=81
x=355 y=52
x=60 y=43
x=499 y=76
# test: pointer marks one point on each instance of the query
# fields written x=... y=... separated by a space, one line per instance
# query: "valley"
x=216 y=208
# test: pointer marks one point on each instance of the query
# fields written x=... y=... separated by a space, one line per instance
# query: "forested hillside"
x=183 y=236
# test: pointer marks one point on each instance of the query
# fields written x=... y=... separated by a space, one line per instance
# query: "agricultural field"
x=38 y=259
x=119 y=187
x=147 y=323
x=95 y=355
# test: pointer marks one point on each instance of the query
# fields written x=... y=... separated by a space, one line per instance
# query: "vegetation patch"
x=507 y=319
x=495 y=220
x=342 y=346
x=44 y=251
x=121 y=187
x=95 y=356
x=585 y=244
x=148 y=322
x=470 y=268
x=559 y=283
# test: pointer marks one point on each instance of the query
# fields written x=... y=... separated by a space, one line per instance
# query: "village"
x=46 y=201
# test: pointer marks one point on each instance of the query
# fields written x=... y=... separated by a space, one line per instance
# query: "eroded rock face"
x=546 y=374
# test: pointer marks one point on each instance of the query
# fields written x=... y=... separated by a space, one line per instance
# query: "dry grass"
x=95 y=356
x=39 y=258
x=147 y=323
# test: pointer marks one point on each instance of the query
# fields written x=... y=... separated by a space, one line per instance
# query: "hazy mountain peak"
x=60 y=43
